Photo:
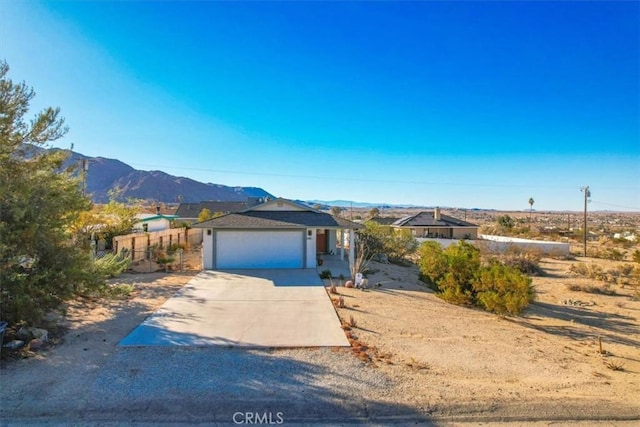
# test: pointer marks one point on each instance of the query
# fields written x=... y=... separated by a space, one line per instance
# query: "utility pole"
x=85 y=168
x=587 y=194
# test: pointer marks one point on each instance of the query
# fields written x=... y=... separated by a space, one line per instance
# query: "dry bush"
x=614 y=366
x=332 y=289
x=353 y=322
x=527 y=261
x=592 y=289
x=592 y=271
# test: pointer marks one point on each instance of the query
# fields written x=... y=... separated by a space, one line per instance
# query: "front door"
x=321 y=242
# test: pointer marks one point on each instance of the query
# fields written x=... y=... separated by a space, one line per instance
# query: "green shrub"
x=502 y=289
x=111 y=265
x=432 y=263
x=383 y=239
x=462 y=264
x=458 y=277
x=636 y=256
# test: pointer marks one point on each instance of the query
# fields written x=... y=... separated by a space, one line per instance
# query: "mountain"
x=105 y=174
x=349 y=203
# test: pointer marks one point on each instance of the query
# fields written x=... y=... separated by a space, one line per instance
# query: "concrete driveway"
x=245 y=308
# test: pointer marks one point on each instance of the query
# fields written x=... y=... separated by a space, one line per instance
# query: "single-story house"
x=153 y=222
x=279 y=233
x=433 y=224
x=189 y=212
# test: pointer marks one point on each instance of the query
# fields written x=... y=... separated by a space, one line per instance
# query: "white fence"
x=502 y=243
x=498 y=244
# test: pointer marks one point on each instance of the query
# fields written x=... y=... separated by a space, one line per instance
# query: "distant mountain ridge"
x=104 y=175
x=349 y=203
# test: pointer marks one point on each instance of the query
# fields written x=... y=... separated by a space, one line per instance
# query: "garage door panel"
x=259 y=249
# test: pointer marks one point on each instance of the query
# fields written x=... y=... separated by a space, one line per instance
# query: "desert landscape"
x=439 y=353
x=573 y=356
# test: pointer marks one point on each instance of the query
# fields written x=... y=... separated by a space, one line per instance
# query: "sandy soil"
x=92 y=327
x=449 y=361
x=440 y=353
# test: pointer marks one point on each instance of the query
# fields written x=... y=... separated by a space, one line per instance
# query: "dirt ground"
x=439 y=356
x=91 y=326
x=440 y=353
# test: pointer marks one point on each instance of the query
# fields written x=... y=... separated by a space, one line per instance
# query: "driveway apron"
x=245 y=308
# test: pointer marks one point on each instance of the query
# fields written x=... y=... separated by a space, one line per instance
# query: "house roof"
x=192 y=210
x=290 y=215
x=426 y=219
x=384 y=220
x=278 y=219
x=151 y=217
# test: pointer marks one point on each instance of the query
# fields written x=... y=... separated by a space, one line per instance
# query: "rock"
x=348 y=284
x=27 y=333
x=14 y=345
x=364 y=284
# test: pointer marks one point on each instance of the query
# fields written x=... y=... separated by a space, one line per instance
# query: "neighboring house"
x=153 y=222
x=384 y=220
x=188 y=212
x=435 y=225
x=276 y=234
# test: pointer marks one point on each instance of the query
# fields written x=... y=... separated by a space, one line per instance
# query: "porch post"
x=352 y=249
x=341 y=243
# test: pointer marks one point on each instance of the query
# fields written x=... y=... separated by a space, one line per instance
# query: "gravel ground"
x=211 y=385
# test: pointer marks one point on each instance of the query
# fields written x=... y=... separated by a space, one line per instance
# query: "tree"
x=41 y=264
x=335 y=210
x=374 y=212
x=107 y=221
x=204 y=215
x=531 y=202
x=383 y=239
x=505 y=221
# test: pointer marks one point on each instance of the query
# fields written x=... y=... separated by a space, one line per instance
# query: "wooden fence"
x=138 y=243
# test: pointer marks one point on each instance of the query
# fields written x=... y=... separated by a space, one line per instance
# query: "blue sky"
x=465 y=104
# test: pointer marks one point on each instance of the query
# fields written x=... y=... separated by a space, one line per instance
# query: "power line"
x=336 y=178
x=616 y=206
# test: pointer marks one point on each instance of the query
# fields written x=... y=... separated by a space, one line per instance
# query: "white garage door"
x=259 y=249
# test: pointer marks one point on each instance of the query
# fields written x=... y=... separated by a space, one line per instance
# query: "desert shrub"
x=614 y=254
x=458 y=276
x=454 y=291
x=111 y=265
x=121 y=290
x=592 y=271
x=175 y=246
x=502 y=289
x=527 y=261
x=635 y=256
x=432 y=262
x=505 y=221
x=602 y=290
x=383 y=239
x=462 y=264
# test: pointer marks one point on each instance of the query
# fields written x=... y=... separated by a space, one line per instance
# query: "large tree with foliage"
x=41 y=264
x=383 y=239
